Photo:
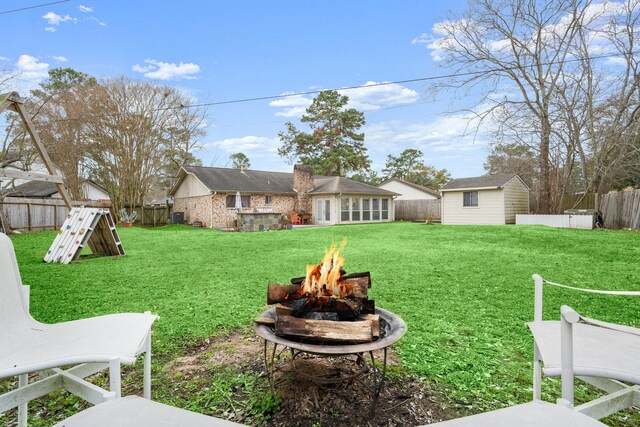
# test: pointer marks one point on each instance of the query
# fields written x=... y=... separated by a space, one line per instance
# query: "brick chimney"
x=302 y=184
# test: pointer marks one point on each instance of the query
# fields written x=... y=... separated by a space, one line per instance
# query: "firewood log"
x=324 y=330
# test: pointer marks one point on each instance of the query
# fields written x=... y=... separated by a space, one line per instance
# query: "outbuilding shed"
x=490 y=199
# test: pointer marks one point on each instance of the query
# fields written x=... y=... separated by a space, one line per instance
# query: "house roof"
x=40 y=189
x=32 y=189
x=251 y=181
x=418 y=187
x=232 y=180
x=339 y=184
x=480 y=182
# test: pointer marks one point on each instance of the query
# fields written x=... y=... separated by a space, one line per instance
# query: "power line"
x=33 y=7
x=314 y=92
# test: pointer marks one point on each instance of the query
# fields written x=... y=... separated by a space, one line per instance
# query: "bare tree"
x=127 y=129
x=513 y=53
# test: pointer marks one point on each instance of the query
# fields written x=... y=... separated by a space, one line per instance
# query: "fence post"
x=29 y=216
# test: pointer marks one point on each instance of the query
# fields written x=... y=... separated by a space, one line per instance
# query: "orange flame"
x=324 y=279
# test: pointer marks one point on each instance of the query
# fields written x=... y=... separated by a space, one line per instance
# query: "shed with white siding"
x=490 y=199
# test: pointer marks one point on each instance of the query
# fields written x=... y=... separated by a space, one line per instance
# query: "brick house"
x=208 y=195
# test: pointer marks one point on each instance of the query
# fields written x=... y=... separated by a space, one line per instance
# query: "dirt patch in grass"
x=314 y=390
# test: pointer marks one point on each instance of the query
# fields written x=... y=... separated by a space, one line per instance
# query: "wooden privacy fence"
x=417 y=210
x=24 y=214
x=621 y=209
x=151 y=216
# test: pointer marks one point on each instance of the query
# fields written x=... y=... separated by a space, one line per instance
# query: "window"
x=385 y=208
x=344 y=209
x=366 y=210
x=470 y=198
x=268 y=200
x=375 y=211
x=355 y=209
x=231 y=201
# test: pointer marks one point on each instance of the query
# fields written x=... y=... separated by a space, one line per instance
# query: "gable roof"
x=41 y=189
x=486 y=182
x=339 y=184
x=250 y=181
x=418 y=187
x=32 y=189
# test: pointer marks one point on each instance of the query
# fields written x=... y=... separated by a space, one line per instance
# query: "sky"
x=231 y=50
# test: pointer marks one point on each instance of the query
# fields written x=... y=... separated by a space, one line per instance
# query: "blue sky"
x=219 y=51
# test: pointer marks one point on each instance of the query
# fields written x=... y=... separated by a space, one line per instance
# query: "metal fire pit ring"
x=394 y=329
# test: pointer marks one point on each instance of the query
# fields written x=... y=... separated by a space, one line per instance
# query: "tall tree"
x=128 y=124
x=56 y=106
x=370 y=177
x=519 y=46
x=512 y=158
x=428 y=176
x=334 y=146
x=403 y=164
x=409 y=166
x=180 y=147
x=240 y=161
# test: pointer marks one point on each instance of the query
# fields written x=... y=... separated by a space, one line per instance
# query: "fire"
x=324 y=279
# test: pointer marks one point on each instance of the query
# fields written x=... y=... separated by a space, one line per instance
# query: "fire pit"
x=327 y=313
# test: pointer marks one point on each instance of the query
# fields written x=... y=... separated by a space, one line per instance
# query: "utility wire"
x=33 y=7
x=314 y=92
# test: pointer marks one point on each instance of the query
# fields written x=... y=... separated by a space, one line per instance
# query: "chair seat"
x=33 y=346
x=134 y=411
x=597 y=352
x=532 y=414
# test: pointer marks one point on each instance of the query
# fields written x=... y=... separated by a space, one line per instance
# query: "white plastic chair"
x=93 y=345
x=133 y=411
x=602 y=354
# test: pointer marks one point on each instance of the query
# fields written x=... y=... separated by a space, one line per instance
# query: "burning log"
x=345 y=308
x=325 y=330
x=326 y=304
x=356 y=285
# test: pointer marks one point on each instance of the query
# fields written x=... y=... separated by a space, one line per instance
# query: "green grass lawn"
x=464 y=291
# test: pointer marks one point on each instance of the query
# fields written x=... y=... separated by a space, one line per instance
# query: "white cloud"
x=50 y=29
x=85 y=9
x=369 y=97
x=167 y=71
x=30 y=68
x=247 y=143
x=445 y=134
x=374 y=96
x=60 y=58
x=3 y=58
x=55 y=19
x=600 y=19
x=99 y=22
x=294 y=105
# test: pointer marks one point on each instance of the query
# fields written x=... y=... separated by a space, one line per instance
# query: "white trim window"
x=344 y=209
x=375 y=209
x=470 y=199
x=366 y=209
x=355 y=209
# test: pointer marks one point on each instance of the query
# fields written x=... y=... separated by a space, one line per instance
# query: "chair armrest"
x=569 y=314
